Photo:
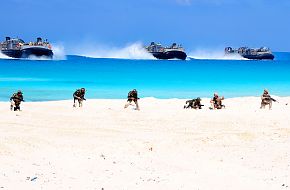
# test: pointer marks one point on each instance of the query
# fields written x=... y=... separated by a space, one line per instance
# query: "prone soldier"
x=193 y=104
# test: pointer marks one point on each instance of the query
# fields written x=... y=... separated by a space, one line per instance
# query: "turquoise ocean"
x=104 y=78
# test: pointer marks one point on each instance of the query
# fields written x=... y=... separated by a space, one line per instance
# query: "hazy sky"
x=194 y=23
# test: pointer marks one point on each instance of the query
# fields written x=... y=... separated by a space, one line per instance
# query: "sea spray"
x=132 y=51
x=2 y=56
x=58 y=52
x=213 y=54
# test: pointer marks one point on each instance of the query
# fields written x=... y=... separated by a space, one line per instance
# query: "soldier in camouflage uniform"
x=217 y=102
x=193 y=104
x=132 y=96
x=15 y=100
x=266 y=99
x=79 y=95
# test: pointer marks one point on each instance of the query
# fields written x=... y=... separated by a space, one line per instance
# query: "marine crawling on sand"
x=16 y=100
x=193 y=104
x=133 y=97
x=216 y=102
x=79 y=96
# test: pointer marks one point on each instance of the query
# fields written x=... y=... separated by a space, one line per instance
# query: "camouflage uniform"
x=16 y=99
x=217 y=102
x=266 y=100
x=132 y=96
x=194 y=104
x=79 y=95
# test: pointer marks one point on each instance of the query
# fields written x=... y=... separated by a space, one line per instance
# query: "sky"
x=193 y=23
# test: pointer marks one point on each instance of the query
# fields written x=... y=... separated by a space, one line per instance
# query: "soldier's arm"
x=75 y=95
x=12 y=97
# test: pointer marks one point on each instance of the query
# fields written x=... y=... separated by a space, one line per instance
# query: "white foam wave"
x=3 y=56
x=38 y=58
x=213 y=54
x=131 y=51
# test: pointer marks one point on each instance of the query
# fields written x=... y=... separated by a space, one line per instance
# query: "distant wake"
x=213 y=54
x=131 y=51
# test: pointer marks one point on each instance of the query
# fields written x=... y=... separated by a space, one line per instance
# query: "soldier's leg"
x=17 y=106
x=191 y=105
x=263 y=104
x=270 y=105
x=12 y=105
x=187 y=105
x=74 y=103
x=199 y=106
x=128 y=103
x=137 y=105
x=80 y=103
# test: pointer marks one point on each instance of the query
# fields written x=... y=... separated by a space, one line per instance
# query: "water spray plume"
x=2 y=56
x=58 y=52
x=213 y=54
x=132 y=51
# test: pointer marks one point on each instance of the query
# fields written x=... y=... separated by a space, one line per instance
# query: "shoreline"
x=281 y=100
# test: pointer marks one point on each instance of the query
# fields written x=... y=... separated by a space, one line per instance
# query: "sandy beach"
x=51 y=145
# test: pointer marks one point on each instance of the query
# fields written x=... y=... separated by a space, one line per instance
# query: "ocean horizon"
x=112 y=78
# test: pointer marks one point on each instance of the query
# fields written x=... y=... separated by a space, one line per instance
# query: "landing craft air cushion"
x=17 y=48
x=173 y=52
x=250 y=53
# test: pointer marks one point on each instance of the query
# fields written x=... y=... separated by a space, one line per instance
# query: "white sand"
x=161 y=147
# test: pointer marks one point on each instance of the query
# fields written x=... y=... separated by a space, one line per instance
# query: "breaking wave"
x=213 y=54
x=131 y=51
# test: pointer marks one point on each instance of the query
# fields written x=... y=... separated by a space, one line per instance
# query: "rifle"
x=270 y=98
x=274 y=100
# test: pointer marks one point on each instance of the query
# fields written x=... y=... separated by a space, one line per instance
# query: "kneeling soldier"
x=217 y=101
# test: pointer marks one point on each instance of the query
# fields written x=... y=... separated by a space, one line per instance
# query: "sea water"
x=43 y=80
